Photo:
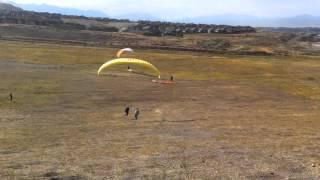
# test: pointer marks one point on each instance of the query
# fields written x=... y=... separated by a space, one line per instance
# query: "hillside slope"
x=14 y=15
x=9 y=7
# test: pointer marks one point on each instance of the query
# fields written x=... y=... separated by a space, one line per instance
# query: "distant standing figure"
x=136 y=114
x=127 y=110
x=11 y=97
x=171 y=78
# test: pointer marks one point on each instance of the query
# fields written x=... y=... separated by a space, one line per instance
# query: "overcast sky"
x=190 y=8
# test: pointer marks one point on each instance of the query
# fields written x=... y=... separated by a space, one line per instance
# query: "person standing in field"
x=171 y=78
x=136 y=114
x=127 y=110
x=11 y=97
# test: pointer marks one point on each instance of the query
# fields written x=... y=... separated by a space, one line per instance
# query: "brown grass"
x=228 y=117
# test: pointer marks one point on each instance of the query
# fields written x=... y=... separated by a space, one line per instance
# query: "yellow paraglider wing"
x=122 y=51
x=129 y=61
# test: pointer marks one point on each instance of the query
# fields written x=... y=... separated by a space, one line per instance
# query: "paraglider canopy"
x=120 y=52
x=130 y=61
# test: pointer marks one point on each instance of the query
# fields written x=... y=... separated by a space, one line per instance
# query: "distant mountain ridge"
x=9 y=7
x=234 y=19
x=61 y=10
x=304 y=20
x=300 y=21
x=147 y=28
x=87 y=13
x=138 y=17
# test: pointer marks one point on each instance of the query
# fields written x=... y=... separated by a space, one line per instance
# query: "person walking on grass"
x=127 y=110
x=136 y=114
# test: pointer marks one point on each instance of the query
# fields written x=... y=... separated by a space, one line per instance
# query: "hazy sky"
x=190 y=8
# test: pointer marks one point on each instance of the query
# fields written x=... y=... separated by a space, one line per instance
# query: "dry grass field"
x=227 y=117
